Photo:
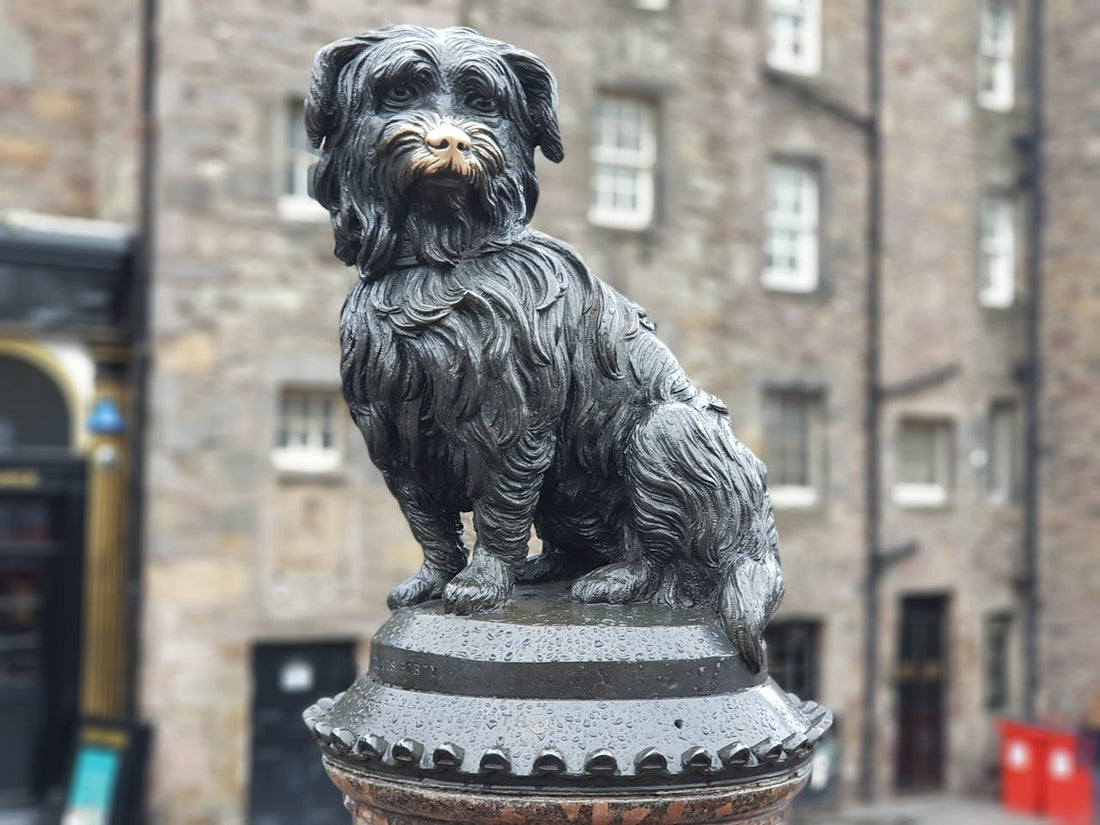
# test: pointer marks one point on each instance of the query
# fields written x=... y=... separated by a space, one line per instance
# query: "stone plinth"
x=549 y=711
x=376 y=801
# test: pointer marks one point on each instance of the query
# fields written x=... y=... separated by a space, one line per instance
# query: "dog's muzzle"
x=429 y=147
x=449 y=151
x=448 y=143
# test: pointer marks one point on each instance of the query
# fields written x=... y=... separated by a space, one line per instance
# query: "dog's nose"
x=447 y=140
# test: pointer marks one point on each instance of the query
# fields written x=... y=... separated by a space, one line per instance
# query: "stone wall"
x=1070 y=426
x=46 y=107
x=68 y=107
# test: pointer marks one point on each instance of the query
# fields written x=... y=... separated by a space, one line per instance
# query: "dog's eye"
x=398 y=95
x=482 y=104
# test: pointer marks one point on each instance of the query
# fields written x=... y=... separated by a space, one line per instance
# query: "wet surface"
x=544 y=646
x=548 y=693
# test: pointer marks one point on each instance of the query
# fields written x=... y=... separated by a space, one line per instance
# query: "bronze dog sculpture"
x=490 y=371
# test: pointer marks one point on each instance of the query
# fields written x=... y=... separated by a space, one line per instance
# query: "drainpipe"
x=872 y=401
x=139 y=373
x=1033 y=320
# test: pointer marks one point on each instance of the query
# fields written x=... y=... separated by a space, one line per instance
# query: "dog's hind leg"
x=439 y=532
x=632 y=577
x=624 y=582
x=658 y=527
x=697 y=496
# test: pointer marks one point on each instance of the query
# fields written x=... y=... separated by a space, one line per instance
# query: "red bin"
x=1068 y=775
x=1022 y=760
x=1047 y=771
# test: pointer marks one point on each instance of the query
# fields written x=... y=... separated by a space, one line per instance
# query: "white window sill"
x=306 y=462
x=995 y=300
x=632 y=222
x=301 y=208
x=792 y=497
x=784 y=282
x=802 y=69
x=917 y=496
x=995 y=103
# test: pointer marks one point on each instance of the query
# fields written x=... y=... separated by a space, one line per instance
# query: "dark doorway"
x=41 y=548
x=288 y=783
x=34 y=414
x=921 y=681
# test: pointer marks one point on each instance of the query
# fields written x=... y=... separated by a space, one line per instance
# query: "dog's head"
x=427 y=142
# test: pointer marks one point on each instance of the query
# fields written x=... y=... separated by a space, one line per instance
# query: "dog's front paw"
x=423 y=585
x=485 y=585
x=626 y=582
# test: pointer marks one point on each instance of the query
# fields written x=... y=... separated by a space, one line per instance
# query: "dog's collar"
x=410 y=260
x=407 y=260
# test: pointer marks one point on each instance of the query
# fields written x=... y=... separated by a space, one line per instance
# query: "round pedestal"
x=376 y=801
x=550 y=711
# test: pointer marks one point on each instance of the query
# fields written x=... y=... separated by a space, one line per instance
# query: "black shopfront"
x=41 y=561
x=64 y=339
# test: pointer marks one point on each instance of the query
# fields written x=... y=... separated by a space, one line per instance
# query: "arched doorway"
x=33 y=412
x=42 y=485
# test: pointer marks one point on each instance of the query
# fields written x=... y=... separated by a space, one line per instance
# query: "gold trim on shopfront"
x=103 y=692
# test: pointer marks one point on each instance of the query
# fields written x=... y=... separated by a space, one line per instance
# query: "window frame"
x=296 y=162
x=786 y=495
x=997 y=628
x=996 y=58
x=806 y=277
x=997 y=250
x=809 y=11
x=805 y=635
x=313 y=456
x=642 y=162
x=936 y=493
x=1002 y=476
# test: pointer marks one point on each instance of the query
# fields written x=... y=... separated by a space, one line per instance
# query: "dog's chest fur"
x=440 y=360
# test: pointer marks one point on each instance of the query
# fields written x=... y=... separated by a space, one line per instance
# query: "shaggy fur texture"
x=490 y=371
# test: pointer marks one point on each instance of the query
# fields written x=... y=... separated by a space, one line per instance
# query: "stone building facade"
x=270 y=541
x=943 y=155
x=1069 y=516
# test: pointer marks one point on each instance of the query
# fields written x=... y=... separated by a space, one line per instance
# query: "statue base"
x=550 y=711
x=376 y=801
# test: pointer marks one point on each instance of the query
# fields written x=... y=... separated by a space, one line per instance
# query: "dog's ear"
x=359 y=223
x=541 y=92
x=324 y=103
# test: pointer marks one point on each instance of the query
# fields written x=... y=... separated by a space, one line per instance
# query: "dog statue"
x=491 y=372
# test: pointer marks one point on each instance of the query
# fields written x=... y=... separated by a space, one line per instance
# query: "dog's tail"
x=751 y=583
